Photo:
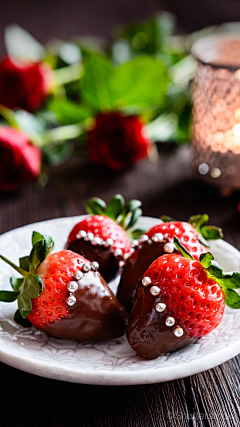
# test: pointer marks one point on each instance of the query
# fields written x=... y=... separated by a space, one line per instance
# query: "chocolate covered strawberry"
x=64 y=295
x=194 y=235
x=104 y=236
x=157 y=241
x=146 y=250
x=179 y=300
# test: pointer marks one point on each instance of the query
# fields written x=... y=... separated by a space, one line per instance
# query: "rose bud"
x=20 y=162
x=117 y=141
x=24 y=85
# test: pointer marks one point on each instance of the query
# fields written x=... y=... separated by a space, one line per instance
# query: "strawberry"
x=194 y=235
x=146 y=251
x=64 y=295
x=104 y=236
x=179 y=300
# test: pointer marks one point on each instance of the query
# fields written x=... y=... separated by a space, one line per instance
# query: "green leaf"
x=198 y=221
x=166 y=218
x=21 y=321
x=24 y=305
x=32 y=286
x=132 y=205
x=49 y=244
x=16 y=283
x=137 y=232
x=8 y=296
x=69 y=112
x=211 y=232
x=232 y=299
x=36 y=237
x=24 y=263
x=96 y=206
x=203 y=240
x=206 y=259
x=230 y=280
x=141 y=83
x=95 y=83
x=134 y=218
x=115 y=207
x=182 y=249
x=37 y=255
x=21 y=45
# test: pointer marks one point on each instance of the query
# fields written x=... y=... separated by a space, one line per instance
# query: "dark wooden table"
x=210 y=398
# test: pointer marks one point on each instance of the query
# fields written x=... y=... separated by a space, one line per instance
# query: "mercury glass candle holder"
x=216 y=109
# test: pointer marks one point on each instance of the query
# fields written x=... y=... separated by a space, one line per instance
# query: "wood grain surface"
x=167 y=186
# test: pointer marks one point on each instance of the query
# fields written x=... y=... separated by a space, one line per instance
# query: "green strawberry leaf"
x=198 y=221
x=24 y=263
x=21 y=321
x=203 y=240
x=8 y=296
x=96 y=206
x=24 y=305
x=166 y=218
x=115 y=207
x=132 y=205
x=68 y=112
x=232 y=299
x=43 y=246
x=206 y=259
x=134 y=218
x=32 y=286
x=210 y=232
x=16 y=283
x=230 y=280
x=137 y=232
x=182 y=249
x=36 y=237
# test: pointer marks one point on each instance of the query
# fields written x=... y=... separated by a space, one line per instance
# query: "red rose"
x=24 y=85
x=117 y=141
x=20 y=161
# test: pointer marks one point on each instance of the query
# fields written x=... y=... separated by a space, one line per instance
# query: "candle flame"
x=236 y=130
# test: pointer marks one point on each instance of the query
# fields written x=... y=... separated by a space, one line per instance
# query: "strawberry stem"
x=18 y=269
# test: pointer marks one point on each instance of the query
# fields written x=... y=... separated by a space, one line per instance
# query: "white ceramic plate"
x=105 y=362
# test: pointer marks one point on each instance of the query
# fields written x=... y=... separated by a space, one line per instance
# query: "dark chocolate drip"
x=96 y=315
x=134 y=269
x=147 y=332
x=108 y=264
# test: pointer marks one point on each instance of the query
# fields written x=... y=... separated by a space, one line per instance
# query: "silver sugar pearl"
x=143 y=238
x=157 y=238
x=160 y=307
x=146 y=281
x=94 y=265
x=134 y=243
x=118 y=253
x=126 y=256
x=81 y=234
x=72 y=286
x=178 y=332
x=80 y=262
x=149 y=241
x=86 y=267
x=71 y=300
x=170 y=321
x=121 y=264
x=78 y=275
x=169 y=248
x=108 y=242
x=90 y=236
x=155 y=290
x=96 y=241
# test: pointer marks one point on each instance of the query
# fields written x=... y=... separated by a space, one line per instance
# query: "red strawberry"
x=103 y=237
x=64 y=295
x=179 y=301
x=193 y=234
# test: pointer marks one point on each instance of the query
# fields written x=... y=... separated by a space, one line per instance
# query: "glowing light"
x=237 y=74
x=236 y=130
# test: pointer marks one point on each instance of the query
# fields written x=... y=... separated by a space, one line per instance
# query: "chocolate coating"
x=108 y=264
x=147 y=332
x=96 y=315
x=134 y=269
